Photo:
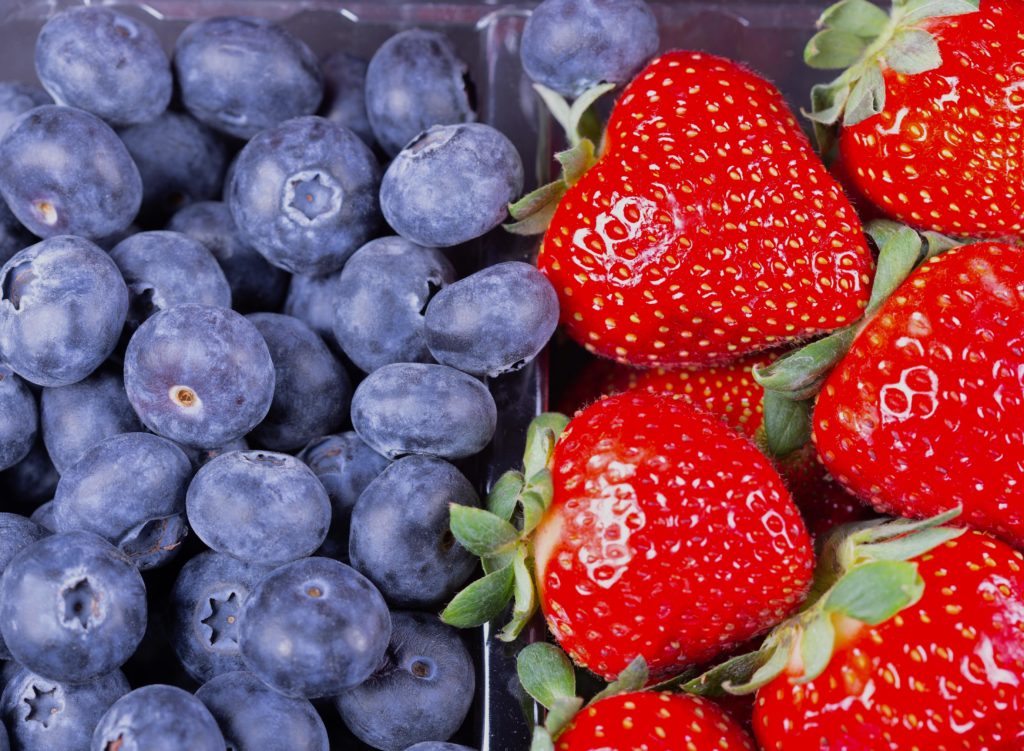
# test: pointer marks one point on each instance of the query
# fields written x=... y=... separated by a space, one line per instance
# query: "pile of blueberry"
x=197 y=270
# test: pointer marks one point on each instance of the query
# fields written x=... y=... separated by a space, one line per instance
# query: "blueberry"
x=345 y=94
x=72 y=607
x=313 y=299
x=412 y=408
x=345 y=466
x=43 y=516
x=572 y=45
x=438 y=746
x=243 y=75
x=166 y=269
x=16 y=533
x=255 y=284
x=494 y=321
x=62 y=307
x=75 y=418
x=312 y=391
x=31 y=481
x=422 y=692
x=415 y=80
x=381 y=296
x=157 y=718
x=203 y=612
x=181 y=161
x=16 y=99
x=199 y=375
x=256 y=718
x=314 y=628
x=105 y=63
x=19 y=419
x=65 y=172
x=130 y=489
x=452 y=184
x=13 y=235
x=304 y=194
x=400 y=538
x=45 y=715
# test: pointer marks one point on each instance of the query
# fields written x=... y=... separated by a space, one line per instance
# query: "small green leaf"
x=909 y=546
x=736 y=670
x=831 y=49
x=546 y=673
x=816 y=645
x=896 y=259
x=875 y=592
x=868 y=532
x=558 y=107
x=536 y=200
x=576 y=161
x=535 y=224
x=799 y=373
x=541 y=437
x=913 y=51
x=787 y=423
x=561 y=714
x=533 y=510
x=481 y=532
x=481 y=601
x=525 y=597
x=918 y=10
x=542 y=484
x=541 y=740
x=867 y=98
x=502 y=499
x=936 y=243
x=827 y=103
x=492 y=563
x=858 y=17
x=768 y=672
x=633 y=678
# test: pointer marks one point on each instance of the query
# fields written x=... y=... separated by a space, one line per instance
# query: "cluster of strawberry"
x=680 y=531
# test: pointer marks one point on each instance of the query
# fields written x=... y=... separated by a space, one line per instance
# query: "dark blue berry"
x=43 y=516
x=345 y=94
x=16 y=533
x=157 y=718
x=19 y=419
x=16 y=99
x=31 y=481
x=313 y=299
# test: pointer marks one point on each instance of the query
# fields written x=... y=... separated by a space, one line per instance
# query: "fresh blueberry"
x=345 y=466
x=422 y=692
x=72 y=607
x=105 y=63
x=130 y=490
x=313 y=299
x=199 y=375
x=75 y=418
x=314 y=628
x=43 y=516
x=259 y=506
x=44 y=715
x=312 y=391
x=19 y=419
x=29 y=482
x=255 y=284
x=16 y=533
x=17 y=99
x=413 y=408
x=243 y=75
x=572 y=45
x=494 y=321
x=452 y=184
x=304 y=194
x=62 y=307
x=13 y=235
x=203 y=612
x=415 y=80
x=86 y=185
x=345 y=94
x=181 y=161
x=256 y=718
x=400 y=538
x=382 y=293
x=157 y=718
x=437 y=746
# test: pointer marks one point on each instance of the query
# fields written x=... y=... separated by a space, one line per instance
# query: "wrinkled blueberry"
x=400 y=538
x=16 y=533
x=452 y=184
x=19 y=419
x=314 y=628
x=199 y=375
x=16 y=99
x=157 y=718
x=313 y=299
x=412 y=408
x=345 y=94
x=62 y=307
x=31 y=481
x=304 y=194
x=243 y=75
x=415 y=80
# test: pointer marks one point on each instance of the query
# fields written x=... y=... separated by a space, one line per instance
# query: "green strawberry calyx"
x=865 y=576
x=863 y=39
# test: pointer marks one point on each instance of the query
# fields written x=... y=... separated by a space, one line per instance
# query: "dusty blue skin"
x=106 y=63
x=436 y=746
x=345 y=94
x=43 y=516
x=13 y=235
x=62 y=307
x=88 y=184
x=422 y=692
x=44 y=715
x=16 y=533
x=304 y=194
x=203 y=610
x=157 y=718
x=314 y=628
x=72 y=607
x=415 y=80
x=413 y=408
x=19 y=419
x=312 y=391
x=17 y=98
x=256 y=718
x=165 y=269
x=75 y=418
x=243 y=75
x=130 y=490
x=313 y=299
x=572 y=45
x=400 y=538
x=29 y=482
x=199 y=375
x=452 y=184
x=259 y=506
x=345 y=466
x=494 y=321
x=382 y=293
x=181 y=161
x=255 y=284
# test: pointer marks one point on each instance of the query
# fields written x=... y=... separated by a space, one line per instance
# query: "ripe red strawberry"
x=708 y=229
